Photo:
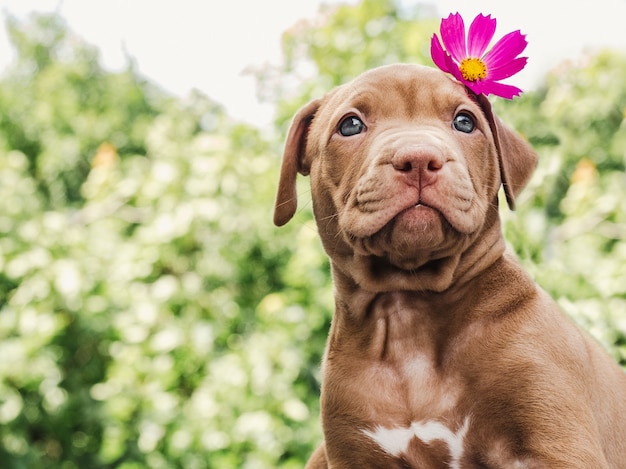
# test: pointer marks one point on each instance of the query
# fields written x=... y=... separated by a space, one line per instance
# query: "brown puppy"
x=442 y=353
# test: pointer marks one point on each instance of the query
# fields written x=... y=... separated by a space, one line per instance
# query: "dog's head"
x=405 y=167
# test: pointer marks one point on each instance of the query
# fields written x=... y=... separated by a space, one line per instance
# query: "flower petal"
x=507 y=70
x=474 y=86
x=480 y=34
x=453 y=68
x=438 y=54
x=505 y=50
x=453 y=36
x=500 y=89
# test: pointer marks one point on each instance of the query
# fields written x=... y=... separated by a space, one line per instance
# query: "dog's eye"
x=351 y=126
x=464 y=123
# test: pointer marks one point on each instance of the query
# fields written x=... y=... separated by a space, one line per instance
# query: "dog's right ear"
x=293 y=163
x=516 y=157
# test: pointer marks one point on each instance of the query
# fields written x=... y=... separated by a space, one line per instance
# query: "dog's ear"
x=516 y=157
x=293 y=163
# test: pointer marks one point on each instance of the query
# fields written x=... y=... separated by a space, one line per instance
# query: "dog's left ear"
x=293 y=163
x=516 y=157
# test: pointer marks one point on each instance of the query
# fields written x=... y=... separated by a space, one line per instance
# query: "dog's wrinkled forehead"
x=399 y=90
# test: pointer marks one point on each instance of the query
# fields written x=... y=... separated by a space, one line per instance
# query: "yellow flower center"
x=473 y=69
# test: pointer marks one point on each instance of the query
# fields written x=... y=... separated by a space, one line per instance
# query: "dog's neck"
x=390 y=320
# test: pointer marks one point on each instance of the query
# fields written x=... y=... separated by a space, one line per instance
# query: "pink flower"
x=467 y=61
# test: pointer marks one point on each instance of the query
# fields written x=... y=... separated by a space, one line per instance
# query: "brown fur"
x=434 y=320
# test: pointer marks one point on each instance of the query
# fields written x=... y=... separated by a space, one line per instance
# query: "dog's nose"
x=419 y=163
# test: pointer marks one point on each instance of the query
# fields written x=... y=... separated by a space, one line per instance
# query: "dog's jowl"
x=443 y=353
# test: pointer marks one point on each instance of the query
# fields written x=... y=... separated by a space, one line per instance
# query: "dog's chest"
x=427 y=420
x=399 y=362
x=418 y=412
x=419 y=407
x=423 y=441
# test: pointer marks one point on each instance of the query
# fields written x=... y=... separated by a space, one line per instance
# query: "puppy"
x=443 y=353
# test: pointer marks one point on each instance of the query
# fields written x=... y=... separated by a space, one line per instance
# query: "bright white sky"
x=206 y=44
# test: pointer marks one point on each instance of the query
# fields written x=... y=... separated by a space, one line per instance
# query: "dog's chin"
x=417 y=248
x=418 y=237
x=421 y=225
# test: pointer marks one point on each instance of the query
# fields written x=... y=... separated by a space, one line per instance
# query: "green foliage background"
x=150 y=313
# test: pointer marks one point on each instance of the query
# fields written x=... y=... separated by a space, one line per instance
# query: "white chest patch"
x=395 y=441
